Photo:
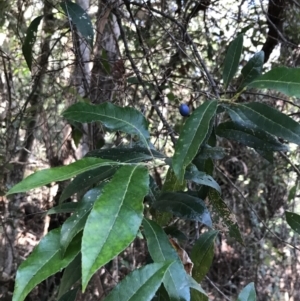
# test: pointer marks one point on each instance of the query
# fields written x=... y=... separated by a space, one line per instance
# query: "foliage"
x=119 y=198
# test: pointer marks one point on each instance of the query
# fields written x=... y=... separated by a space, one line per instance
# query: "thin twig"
x=290 y=162
x=219 y=291
x=139 y=77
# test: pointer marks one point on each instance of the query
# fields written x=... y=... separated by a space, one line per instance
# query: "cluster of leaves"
x=117 y=184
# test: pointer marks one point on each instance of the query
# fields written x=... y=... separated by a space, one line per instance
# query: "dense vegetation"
x=161 y=139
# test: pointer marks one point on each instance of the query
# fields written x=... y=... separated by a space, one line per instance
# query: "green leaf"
x=254 y=138
x=267 y=119
x=248 y=293
x=202 y=254
x=44 y=261
x=161 y=295
x=193 y=134
x=141 y=284
x=253 y=68
x=115 y=219
x=160 y=249
x=72 y=274
x=201 y=178
x=114 y=118
x=224 y=216
x=282 y=79
x=56 y=174
x=80 y=19
x=76 y=222
x=293 y=220
x=197 y=296
x=70 y=295
x=184 y=206
x=30 y=40
x=215 y=153
x=85 y=180
x=197 y=287
x=232 y=59
x=128 y=155
x=64 y=208
x=171 y=184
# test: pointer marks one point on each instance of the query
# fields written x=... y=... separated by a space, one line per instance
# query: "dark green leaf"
x=75 y=223
x=266 y=155
x=232 y=59
x=266 y=118
x=80 y=19
x=160 y=249
x=184 y=206
x=63 y=208
x=30 y=40
x=216 y=153
x=72 y=274
x=129 y=155
x=193 y=134
x=224 y=216
x=114 y=118
x=141 y=284
x=115 y=219
x=161 y=295
x=202 y=254
x=253 y=68
x=293 y=220
x=56 y=174
x=85 y=180
x=248 y=293
x=282 y=79
x=70 y=295
x=254 y=138
x=44 y=261
x=197 y=296
x=201 y=178
x=171 y=184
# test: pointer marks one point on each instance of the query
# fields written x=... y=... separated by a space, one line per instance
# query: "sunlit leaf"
x=282 y=79
x=141 y=284
x=248 y=293
x=191 y=137
x=224 y=217
x=202 y=254
x=184 y=206
x=293 y=220
x=160 y=249
x=114 y=219
x=56 y=174
x=80 y=19
x=114 y=118
x=30 y=40
x=266 y=118
x=255 y=138
x=232 y=59
x=253 y=68
x=45 y=260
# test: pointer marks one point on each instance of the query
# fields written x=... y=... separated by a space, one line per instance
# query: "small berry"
x=184 y=110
